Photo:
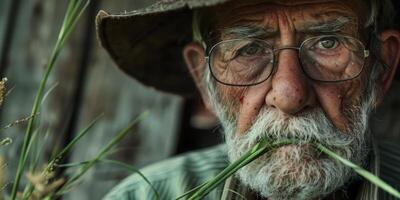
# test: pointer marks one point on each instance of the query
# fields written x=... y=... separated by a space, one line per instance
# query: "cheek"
x=353 y=93
x=334 y=99
x=232 y=97
x=251 y=100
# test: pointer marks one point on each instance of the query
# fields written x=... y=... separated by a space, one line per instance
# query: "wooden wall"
x=85 y=85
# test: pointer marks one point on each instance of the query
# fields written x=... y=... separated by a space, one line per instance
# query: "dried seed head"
x=2 y=89
x=5 y=141
x=16 y=122
x=44 y=183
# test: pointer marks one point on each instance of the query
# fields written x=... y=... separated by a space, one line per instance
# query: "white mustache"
x=311 y=127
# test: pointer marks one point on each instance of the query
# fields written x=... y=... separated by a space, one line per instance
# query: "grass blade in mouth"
x=360 y=171
x=262 y=147
x=259 y=149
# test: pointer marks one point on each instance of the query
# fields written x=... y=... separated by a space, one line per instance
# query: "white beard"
x=297 y=172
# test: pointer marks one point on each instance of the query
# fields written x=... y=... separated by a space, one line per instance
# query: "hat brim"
x=147 y=44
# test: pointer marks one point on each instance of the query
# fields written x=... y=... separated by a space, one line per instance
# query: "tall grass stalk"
x=73 y=13
x=56 y=158
x=71 y=144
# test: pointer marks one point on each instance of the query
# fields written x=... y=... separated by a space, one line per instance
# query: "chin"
x=294 y=172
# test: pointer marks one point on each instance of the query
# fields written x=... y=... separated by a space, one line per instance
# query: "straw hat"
x=147 y=44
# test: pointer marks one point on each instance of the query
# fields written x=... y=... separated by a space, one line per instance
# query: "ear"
x=194 y=56
x=390 y=54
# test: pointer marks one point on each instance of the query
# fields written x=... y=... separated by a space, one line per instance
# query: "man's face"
x=291 y=105
x=288 y=90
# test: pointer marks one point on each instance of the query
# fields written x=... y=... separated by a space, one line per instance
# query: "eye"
x=251 y=49
x=328 y=43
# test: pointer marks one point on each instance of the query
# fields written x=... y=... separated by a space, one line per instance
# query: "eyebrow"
x=331 y=26
x=335 y=25
x=247 y=31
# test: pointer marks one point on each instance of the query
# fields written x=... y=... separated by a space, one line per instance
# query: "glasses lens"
x=241 y=61
x=332 y=58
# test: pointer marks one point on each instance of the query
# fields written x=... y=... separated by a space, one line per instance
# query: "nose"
x=290 y=91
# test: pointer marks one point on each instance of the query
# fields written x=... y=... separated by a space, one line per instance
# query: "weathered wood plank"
x=4 y=13
x=121 y=99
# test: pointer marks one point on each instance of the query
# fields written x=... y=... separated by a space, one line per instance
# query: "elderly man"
x=307 y=70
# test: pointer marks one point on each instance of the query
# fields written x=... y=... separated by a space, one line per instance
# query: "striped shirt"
x=174 y=177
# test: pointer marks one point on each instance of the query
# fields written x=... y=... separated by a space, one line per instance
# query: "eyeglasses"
x=250 y=61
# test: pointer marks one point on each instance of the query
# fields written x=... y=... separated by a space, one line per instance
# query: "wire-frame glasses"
x=250 y=61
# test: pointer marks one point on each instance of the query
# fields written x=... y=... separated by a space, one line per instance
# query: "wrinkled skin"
x=289 y=90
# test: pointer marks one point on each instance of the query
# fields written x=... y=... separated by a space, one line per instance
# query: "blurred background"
x=85 y=84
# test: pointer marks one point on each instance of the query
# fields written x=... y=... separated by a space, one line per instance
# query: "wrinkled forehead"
x=301 y=13
x=296 y=2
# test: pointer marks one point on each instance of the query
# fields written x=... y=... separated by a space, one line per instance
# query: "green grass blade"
x=120 y=135
x=255 y=152
x=133 y=170
x=72 y=165
x=362 y=172
x=237 y=194
x=28 y=190
x=259 y=149
x=70 y=6
x=121 y=164
x=49 y=91
x=71 y=144
x=32 y=165
x=191 y=191
x=32 y=144
x=75 y=13
x=65 y=31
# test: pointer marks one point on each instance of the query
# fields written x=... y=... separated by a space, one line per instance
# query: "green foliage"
x=86 y=166
x=51 y=185
x=73 y=13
